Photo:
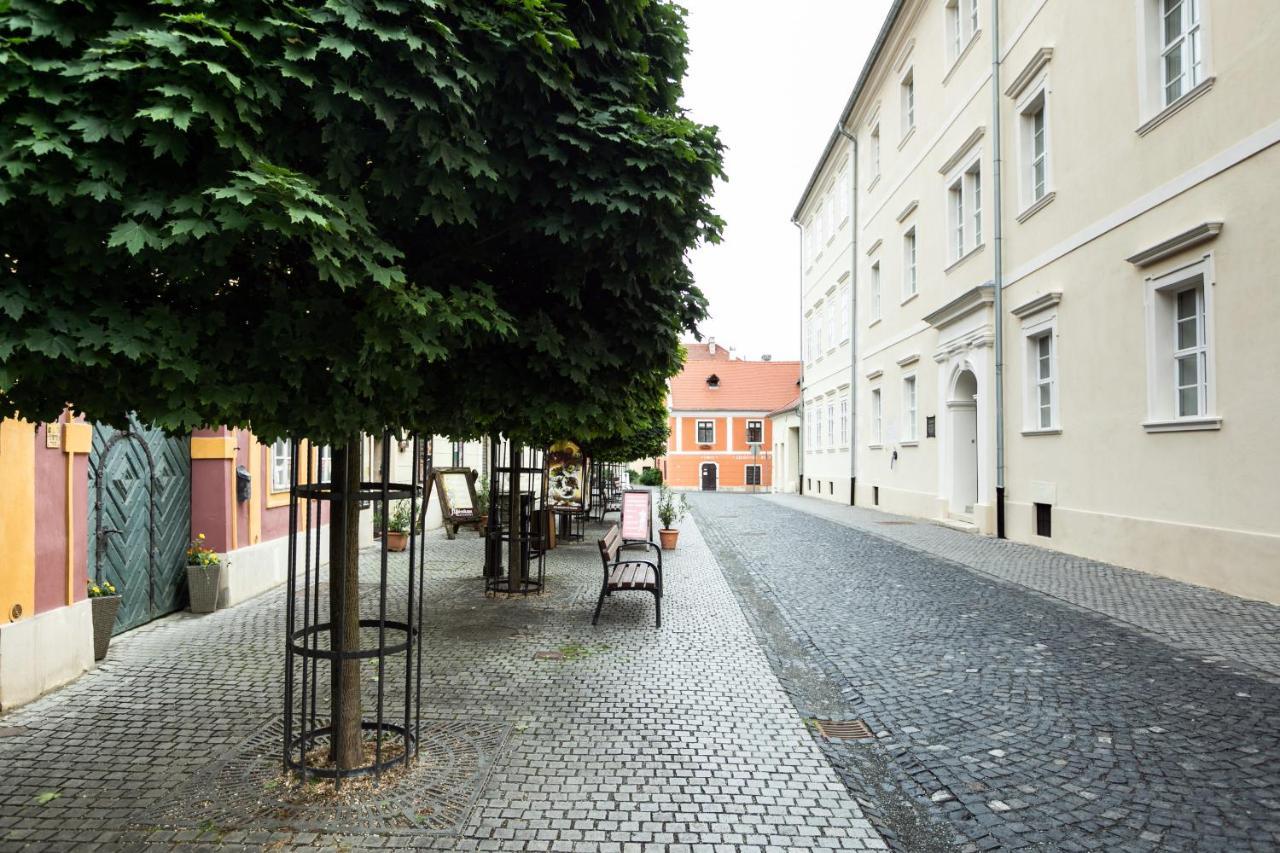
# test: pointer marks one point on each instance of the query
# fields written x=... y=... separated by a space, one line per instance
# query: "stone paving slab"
x=1195 y=618
x=1018 y=720
x=677 y=740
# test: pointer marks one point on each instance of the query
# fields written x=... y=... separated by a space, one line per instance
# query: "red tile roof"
x=745 y=386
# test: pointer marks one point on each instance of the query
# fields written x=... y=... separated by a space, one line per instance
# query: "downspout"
x=853 y=311
x=800 y=409
x=998 y=273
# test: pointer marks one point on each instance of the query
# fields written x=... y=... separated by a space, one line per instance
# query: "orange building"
x=721 y=436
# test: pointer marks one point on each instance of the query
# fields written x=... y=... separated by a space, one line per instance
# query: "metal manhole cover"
x=434 y=797
x=843 y=729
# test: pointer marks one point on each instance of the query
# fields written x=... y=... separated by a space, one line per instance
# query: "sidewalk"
x=677 y=740
x=1196 y=619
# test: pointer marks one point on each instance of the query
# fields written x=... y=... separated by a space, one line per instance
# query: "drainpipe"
x=853 y=311
x=800 y=410
x=998 y=274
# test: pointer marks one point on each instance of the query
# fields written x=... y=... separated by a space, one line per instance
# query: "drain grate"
x=843 y=729
x=548 y=655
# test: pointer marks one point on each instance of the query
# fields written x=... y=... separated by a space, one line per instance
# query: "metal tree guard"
x=308 y=653
x=517 y=521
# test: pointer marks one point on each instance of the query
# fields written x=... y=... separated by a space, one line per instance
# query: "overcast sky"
x=773 y=77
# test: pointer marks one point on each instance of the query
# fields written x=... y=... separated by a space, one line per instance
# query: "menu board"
x=457 y=494
x=566 y=476
x=636 y=506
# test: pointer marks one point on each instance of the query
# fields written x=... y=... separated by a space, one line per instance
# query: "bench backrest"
x=609 y=545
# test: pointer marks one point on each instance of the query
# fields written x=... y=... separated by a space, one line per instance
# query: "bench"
x=625 y=574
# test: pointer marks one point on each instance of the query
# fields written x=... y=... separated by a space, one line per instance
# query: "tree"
x=330 y=218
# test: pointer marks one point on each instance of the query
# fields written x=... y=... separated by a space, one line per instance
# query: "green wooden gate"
x=140 y=519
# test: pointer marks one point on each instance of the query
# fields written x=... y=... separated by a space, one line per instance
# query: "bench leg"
x=599 y=604
x=657 y=607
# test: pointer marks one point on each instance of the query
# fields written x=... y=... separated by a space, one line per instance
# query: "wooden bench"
x=625 y=574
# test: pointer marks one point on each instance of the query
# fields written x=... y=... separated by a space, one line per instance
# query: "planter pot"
x=668 y=539
x=204 y=583
x=104 y=620
x=397 y=541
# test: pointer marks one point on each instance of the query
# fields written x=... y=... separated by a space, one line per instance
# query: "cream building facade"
x=1064 y=301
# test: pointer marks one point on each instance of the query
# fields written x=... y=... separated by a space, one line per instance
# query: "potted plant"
x=204 y=576
x=671 y=509
x=106 y=602
x=398 y=527
x=482 y=506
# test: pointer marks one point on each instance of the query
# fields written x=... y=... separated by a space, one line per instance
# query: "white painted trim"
x=1251 y=145
x=1179 y=242
x=1161 y=417
x=904 y=335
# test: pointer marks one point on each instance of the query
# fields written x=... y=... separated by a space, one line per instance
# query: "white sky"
x=773 y=76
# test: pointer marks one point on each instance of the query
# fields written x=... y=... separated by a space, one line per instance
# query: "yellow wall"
x=17 y=519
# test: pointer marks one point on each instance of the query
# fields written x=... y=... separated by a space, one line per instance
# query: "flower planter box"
x=105 y=608
x=204 y=583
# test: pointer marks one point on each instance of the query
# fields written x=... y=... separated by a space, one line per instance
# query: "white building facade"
x=1064 y=304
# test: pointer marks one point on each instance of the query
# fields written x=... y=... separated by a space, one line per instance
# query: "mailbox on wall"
x=244 y=483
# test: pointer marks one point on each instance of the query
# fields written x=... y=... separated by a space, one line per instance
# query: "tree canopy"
x=324 y=218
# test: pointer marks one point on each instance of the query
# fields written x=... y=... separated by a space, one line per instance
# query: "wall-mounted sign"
x=566 y=476
x=53 y=434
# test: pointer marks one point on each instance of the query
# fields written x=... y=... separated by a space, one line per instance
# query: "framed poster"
x=566 y=476
x=457 y=490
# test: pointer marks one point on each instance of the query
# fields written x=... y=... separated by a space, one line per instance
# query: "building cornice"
x=973 y=299
x=1028 y=73
x=908 y=210
x=1040 y=303
x=1201 y=233
x=965 y=147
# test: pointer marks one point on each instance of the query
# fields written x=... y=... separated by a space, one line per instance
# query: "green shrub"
x=651 y=477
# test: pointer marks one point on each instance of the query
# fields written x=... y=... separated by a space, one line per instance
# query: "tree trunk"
x=344 y=606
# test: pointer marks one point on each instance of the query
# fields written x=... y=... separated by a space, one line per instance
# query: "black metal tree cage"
x=515 y=551
x=388 y=638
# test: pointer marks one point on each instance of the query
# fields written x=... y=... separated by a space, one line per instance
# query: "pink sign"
x=635 y=515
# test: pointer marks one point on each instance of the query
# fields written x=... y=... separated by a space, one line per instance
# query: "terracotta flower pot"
x=104 y=622
x=397 y=541
x=668 y=539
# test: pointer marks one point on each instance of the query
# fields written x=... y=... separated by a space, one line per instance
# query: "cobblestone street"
x=1023 y=699
x=677 y=740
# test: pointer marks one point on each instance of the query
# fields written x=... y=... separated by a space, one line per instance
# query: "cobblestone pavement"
x=1194 y=618
x=1009 y=717
x=679 y=740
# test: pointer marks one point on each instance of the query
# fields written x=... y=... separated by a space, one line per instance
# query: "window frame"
x=1155 y=104
x=1162 y=350
x=907 y=91
x=831 y=423
x=876 y=290
x=877 y=417
x=961 y=28
x=876 y=150
x=910 y=409
x=964 y=208
x=910 y=264
x=1034 y=101
x=760 y=427
x=846 y=318
x=281 y=465
x=746 y=474
x=697 y=430
x=1043 y=328
x=844 y=421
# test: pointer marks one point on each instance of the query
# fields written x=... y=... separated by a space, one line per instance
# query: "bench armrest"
x=640 y=543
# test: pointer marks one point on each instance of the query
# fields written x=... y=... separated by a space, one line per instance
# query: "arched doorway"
x=709 y=477
x=140 y=518
x=962 y=416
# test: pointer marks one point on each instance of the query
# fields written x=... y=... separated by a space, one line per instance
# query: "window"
x=1034 y=144
x=808 y=338
x=1181 y=60
x=457 y=453
x=962 y=25
x=1189 y=353
x=964 y=203
x=875 y=291
x=844 y=421
x=877 y=423
x=817 y=331
x=909 y=409
x=281 y=465
x=908 y=102
x=815 y=427
x=829 y=217
x=1043 y=391
x=811 y=240
x=833 y=322
x=842 y=193
x=831 y=424
x=845 y=313
x=875 y=152
x=909 y=286
x=1180 y=387
x=755 y=432
x=753 y=475
x=324 y=464
x=706 y=432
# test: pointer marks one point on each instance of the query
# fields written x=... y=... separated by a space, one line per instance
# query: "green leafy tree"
x=328 y=218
